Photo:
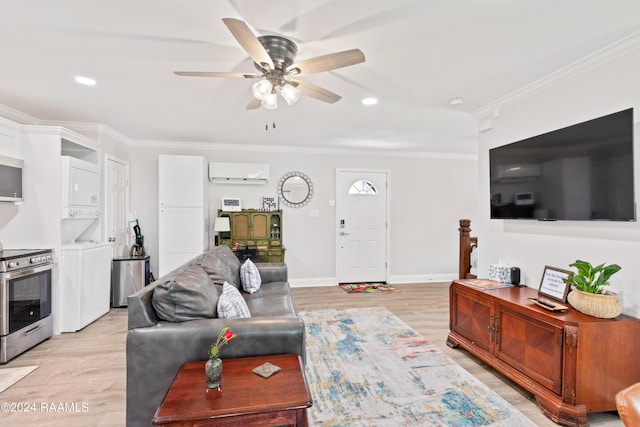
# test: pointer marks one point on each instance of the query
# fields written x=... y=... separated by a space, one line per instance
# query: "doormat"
x=365 y=367
x=366 y=288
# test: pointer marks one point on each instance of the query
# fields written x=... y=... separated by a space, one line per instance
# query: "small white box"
x=500 y=273
x=230 y=204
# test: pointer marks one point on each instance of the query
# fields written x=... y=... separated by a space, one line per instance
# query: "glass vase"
x=213 y=372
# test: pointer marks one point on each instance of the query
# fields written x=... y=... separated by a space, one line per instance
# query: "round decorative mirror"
x=295 y=189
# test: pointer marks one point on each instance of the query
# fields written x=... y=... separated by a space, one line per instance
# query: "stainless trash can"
x=128 y=275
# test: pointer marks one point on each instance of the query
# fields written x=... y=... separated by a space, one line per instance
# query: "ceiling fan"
x=274 y=57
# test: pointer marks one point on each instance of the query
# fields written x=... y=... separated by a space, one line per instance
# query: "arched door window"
x=363 y=187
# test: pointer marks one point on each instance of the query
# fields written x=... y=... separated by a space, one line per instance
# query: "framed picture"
x=552 y=284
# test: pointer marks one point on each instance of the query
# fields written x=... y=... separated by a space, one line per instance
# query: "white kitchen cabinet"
x=183 y=211
x=182 y=181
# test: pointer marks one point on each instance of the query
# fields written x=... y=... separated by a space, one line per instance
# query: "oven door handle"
x=26 y=271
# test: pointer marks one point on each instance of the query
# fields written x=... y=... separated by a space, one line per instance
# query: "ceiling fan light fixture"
x=290 y=93
x=261 y=89
x=271 y=101
x=275 y=59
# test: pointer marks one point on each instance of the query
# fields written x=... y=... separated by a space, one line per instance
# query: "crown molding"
x=199 y=146
x=97 y=128
x=17 y=116
x=69 y=130
x=63 y=133
x=118 y=136
x=599 y=57
x=6 y=123
x=12 y=117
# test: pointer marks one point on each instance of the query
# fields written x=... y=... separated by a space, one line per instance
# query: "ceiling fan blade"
x=254 y=103
x=249 y=42
x=327 y=62
x=315 y=91
x=214 y=74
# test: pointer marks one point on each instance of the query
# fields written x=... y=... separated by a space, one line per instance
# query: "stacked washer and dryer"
x=85 y=263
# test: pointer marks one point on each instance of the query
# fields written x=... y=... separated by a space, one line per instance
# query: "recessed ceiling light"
x=370 y=101
x=85 y=81
x=453 y=102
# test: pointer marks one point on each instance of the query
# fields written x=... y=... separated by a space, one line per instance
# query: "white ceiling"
x=419 y=55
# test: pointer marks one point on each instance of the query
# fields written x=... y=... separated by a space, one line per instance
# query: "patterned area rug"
x=10 y=376
x=366 y=288
x=366 y=367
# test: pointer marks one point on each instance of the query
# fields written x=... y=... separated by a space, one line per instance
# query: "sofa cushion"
x=250 y=277
x=186 y=295
x=221 y=265
x=273 y=300
x=231 y=304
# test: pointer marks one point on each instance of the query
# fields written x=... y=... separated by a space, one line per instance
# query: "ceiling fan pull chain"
x=266 y=121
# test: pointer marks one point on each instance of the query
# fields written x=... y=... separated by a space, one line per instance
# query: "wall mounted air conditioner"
x=238 y=173
x=509 y=172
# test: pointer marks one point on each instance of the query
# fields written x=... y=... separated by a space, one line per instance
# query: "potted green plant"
x=588 y=294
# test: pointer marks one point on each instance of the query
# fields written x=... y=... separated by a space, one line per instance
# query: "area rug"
x=366 y=288
x=365 y=367
x=10 y=376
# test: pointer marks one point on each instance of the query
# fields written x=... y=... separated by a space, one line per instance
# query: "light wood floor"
x=81 y=378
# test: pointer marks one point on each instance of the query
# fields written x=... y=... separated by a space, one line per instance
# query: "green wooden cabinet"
x=251 y=227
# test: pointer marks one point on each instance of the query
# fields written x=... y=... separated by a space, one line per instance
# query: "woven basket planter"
x=606 y=306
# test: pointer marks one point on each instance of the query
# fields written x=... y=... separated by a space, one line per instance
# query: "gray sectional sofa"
x=186 y=325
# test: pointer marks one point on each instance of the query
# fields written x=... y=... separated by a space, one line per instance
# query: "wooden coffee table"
x=244 y=397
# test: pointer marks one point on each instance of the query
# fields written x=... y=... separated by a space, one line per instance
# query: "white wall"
x=427 y=195
x=607 y=88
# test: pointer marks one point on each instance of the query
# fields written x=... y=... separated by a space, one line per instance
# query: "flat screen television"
x=582 y=172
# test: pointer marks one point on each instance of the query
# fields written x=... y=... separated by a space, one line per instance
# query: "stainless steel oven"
x=25 y=300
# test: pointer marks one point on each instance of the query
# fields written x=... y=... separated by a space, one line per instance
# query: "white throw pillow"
x=231 y=304
x=250 y=277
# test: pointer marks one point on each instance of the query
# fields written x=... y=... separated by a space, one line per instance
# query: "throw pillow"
x=221 y=265
x=186 y=295
x=231 y=304
x=250 y=277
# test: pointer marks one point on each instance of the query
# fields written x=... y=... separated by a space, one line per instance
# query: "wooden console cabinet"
x=253 y=228
x=572 y=363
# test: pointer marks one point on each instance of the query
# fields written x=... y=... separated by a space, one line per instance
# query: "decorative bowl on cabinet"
x=605 y=306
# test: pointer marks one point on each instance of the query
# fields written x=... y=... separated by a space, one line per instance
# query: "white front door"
x=362 y=250
x=116 y=207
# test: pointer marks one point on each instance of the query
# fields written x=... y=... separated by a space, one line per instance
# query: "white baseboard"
x=307 y=283
x=422 y=278
x=404 y=278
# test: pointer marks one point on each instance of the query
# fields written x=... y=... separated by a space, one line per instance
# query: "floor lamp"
x=221 y=225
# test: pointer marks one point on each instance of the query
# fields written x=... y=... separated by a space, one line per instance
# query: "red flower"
x=224 y=337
